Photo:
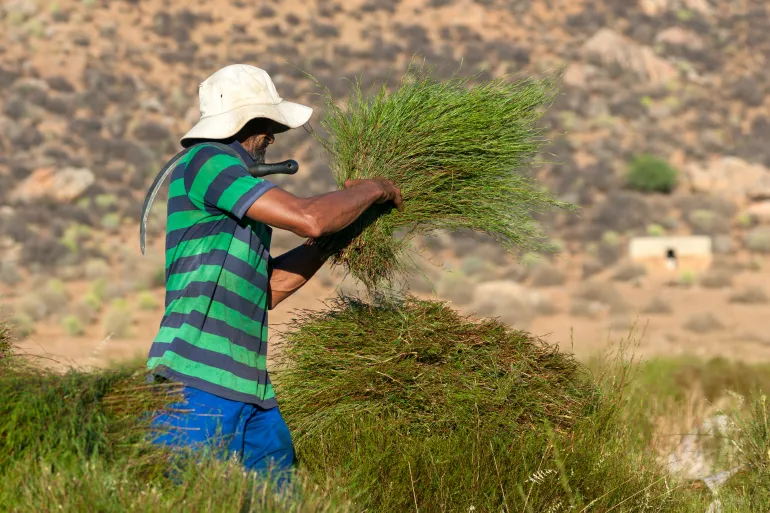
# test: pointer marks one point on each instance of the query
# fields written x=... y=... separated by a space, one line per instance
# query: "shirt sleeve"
x=217 y=180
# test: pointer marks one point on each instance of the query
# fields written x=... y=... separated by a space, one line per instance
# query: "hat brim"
x=225 y=125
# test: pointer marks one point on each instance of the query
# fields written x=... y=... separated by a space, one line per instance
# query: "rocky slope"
x=95 y=95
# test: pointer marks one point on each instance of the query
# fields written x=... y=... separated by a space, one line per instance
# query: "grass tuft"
x=460 y=155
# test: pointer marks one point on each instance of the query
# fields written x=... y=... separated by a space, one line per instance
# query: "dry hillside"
x=95 y=95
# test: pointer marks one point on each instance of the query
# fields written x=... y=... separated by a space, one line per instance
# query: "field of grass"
x=77 y=441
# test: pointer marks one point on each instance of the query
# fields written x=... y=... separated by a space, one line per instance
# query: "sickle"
x=288 y=167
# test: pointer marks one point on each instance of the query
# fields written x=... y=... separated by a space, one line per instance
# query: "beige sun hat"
x=235 y=95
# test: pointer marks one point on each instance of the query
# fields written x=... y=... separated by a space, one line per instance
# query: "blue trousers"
x=258 y=437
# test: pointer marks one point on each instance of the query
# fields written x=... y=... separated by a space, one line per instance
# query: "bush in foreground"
x=78 y=441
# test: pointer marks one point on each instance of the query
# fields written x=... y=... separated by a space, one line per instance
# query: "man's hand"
x=317 y=217
x=388 y=190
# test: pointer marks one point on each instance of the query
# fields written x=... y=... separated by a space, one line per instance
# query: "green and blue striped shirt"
x=213 y=335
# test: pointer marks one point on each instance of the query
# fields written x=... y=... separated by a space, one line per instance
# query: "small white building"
x=692 y=252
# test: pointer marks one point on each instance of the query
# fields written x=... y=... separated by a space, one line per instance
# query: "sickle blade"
x=154 y=188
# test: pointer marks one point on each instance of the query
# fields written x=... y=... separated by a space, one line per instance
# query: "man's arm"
x=313 y=217
x=324 y=214
x=291 y=270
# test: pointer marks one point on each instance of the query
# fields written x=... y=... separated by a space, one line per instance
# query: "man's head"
x=240 y=101
x=256 y=136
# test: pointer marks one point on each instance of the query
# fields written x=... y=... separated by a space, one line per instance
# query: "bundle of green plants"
x=460 y=153
x=411 y=406
x=427 y=365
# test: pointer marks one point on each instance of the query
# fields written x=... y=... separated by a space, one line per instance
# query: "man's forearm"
x=336 y=210
x=324 y=214
x=291 y=270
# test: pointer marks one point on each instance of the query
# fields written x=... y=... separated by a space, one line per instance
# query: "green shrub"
x=656 y=230
x=22 y=325
x=55 y=296
x=98 y=291
x=96 y=269
x=51 y=298
x=687 y=278
x=110 y=222
x=9 y=273
x=147 y=301
x=73 y=326
x=33 y=307
x=93 y=300
x=650 y=174
x=105 y=201
x=87 y=309
x=530 y=259
x=746 y=220
x=118 y=320
x=75 y=236
x=708 y=222
x=758 y=239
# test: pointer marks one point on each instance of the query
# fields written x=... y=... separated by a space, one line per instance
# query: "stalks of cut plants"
x=415 y=407
x=79 y=441
x=428 y=366
x=460 y=153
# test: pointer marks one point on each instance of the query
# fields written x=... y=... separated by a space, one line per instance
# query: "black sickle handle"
x=287 y=167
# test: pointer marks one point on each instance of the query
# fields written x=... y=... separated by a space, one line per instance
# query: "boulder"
x=62 y=186
x=730 y=177
x=654 y=7
x=580 y=75
x=678 y=36
x=658 y=7
x=608 y=48
x=760 y=211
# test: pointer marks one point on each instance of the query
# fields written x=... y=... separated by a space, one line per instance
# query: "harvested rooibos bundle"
x=421 y=363
x=413 y=407
x=459 y=153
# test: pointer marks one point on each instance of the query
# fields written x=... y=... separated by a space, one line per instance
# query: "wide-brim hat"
x=235 y=95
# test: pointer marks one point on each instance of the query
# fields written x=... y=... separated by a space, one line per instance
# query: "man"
x=220 y=277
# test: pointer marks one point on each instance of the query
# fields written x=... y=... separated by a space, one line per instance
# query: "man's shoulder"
x=212 y=156
x=203 y=151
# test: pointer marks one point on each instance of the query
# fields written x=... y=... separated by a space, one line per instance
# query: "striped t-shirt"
x=213 y=335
